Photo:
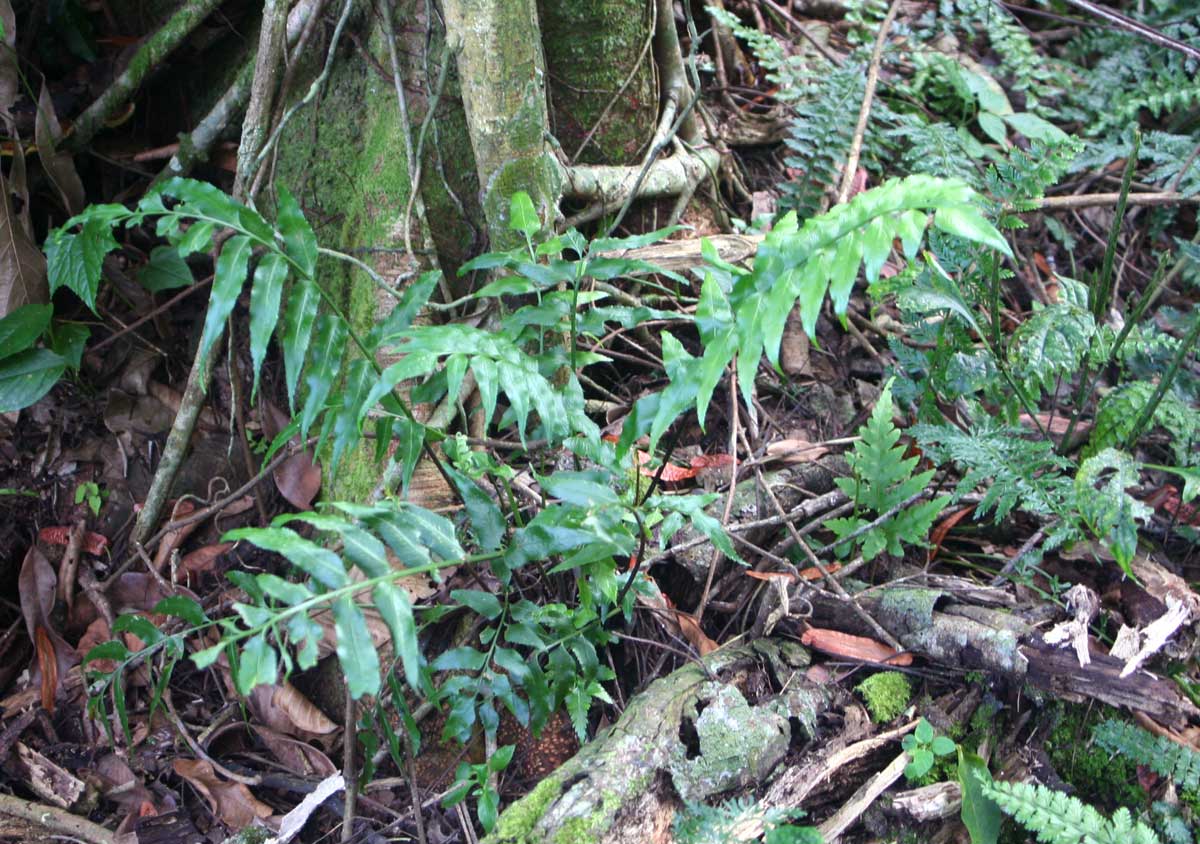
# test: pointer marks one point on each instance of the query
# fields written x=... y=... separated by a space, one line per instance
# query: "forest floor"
x=964 y=516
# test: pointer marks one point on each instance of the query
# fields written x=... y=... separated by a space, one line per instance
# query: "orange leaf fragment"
x=859 y=648
x=810 y=573
x=695 y=636
x=671 y=474
x=938 y=535
x=93 y=543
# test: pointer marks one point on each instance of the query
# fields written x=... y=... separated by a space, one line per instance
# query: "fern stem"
x=1102 y=290
x=1164 y=383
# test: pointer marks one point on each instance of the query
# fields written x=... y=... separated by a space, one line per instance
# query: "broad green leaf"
x=206 y=657
x=414 y=298
x=993 y=126
x=183 y=607
x=165 y=270
x=324 y=364
x=226 y=287
x=324 y=565
x=346 y=432
x=966 y=222
x=197 y=238
x=580 y=488
x=410 y=366
x=257 y=665
x=298 y=321
x=355 y=650
x=253 y=616
x=21 y=328
x=484 y=603
x=487 y=522
x=200 y=199
x=282 y=590
x=74 y=260
x=298 y=235
x=980 y=815
x=301 y=628
x=396 y=611
x=487 y=378
x=459 y=659
x=113 y=650
x=265 y=295
x=522 y=216
x=68 y=341
x=27 y=376
x=1035 y=128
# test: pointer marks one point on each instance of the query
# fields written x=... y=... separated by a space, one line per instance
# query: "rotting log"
x=932 y=624
x=692 y=735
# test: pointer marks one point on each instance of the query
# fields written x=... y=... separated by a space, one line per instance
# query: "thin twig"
x=864 y=111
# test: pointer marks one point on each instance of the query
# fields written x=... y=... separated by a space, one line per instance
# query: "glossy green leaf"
x=346 y=430
x=487 y=522
x=355 y=650
x=459 y=659
x=410 y=366
x=964 y=221
x=522 y=216
x=113 y=650
x=411 y=302
x=396 y=611
x=181 y=606
x=165 y=270
x=206 y=657
x=484 y=603
x=257 y=665
x=265 y=295
x=298 y=235
x=298 y=319
x=27 y=376
x=208 y=202
x=74 y=260
x=324 y=565
x=325 y=362
x=980 y=815
x=284 y=591
x=232 y=265
x=21 y=328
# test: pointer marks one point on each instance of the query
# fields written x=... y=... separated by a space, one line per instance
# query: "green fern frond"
x=819 y=137
x=1050 y=345
x=1120 y=409
x=1158 y=753
x=1058 y=818
x=882 y=478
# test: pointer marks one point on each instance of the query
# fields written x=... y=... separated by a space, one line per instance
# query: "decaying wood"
x=690 y=735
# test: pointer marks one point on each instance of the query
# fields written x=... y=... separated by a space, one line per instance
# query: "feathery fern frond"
x=1158 y=753
x=819 y=138
x=1058 y=818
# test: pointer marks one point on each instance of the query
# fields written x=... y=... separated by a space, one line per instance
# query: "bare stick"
x=864 y=113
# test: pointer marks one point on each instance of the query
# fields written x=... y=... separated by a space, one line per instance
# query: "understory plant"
x=527 y=658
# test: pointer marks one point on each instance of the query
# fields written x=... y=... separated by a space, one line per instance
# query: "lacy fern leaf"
x=882 y=480
x=1058 y=818
x=1158 y=753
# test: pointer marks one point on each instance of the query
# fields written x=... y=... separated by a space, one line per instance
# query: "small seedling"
x=89 y=492
x=922 y=747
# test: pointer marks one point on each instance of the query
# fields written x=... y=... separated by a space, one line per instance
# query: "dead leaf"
x=298 y=757
x=38 y=586
x=938 y=535
x=201 y=560
x=58 y=166
x=671 y=474
x=859 y=648
x=118 y=783
x=810 y=573
x=795 y=451
x=298 y=478
x=231 y=802
x=174 y=537
x=695 y=636
x=93 y=543
x=22 y=264
x=285 y=710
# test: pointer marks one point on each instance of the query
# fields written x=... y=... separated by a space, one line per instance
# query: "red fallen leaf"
x=49 y=665
x=710 y=461
x=859 y=648
x=93 y=543
x=810 y=573
x=695 y=636
x=938 y=534
x=671 y=474
x=1166 y=500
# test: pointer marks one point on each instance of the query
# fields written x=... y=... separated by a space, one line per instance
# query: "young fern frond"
x=1058 y=818
x=1158 y=753
x=819 y=137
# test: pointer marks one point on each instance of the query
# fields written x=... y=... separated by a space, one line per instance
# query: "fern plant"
x=1058 y=818
x=741 y=820
x=1158 y=753
x=882 y=480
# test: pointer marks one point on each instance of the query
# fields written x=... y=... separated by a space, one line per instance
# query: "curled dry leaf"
x=38 y=586
x=298 y=757
x=231 y=802
x=201 y=560
x=795 y=451
x=174 y=538
x=938 y=535
x=858 y=648
x=298 y=478
x=93 y=543
x=285 y=710
x=810 y=573
x=695 y=636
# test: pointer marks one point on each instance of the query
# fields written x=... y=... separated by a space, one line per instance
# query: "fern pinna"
x=1058 y=818
x=1158 y=753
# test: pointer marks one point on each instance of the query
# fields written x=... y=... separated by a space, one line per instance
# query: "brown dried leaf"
x=298 y=478
x=22 y=265
x=859 y=648
x=231 y=802
x=38 y=586
x=695 y=636
x=59 y=167
x=298 y=757
x=795 y=451
x=285 y=710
